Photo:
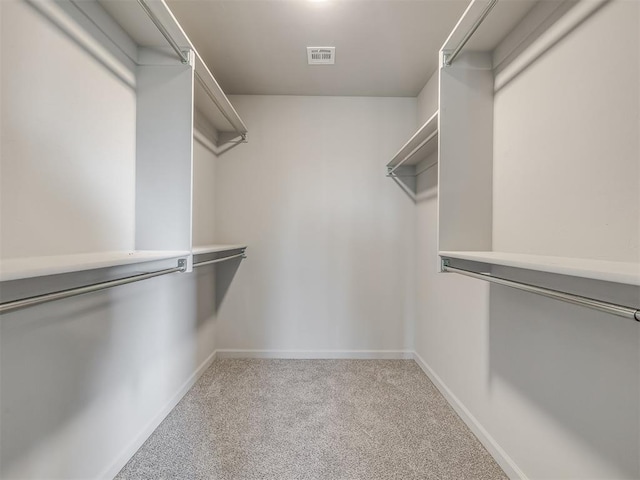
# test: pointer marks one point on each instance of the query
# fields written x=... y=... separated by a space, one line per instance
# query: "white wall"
x=556 y=152
x=330 y=237
x=428 y=99
x=204 y=163
x=53 y=179
x=556 y=387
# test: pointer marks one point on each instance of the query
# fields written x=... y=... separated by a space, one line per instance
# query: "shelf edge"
x=593 y=269
x=428 y=128
x=205 y=249
x=81 y=263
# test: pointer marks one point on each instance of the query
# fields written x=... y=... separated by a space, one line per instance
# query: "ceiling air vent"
x=321 y=55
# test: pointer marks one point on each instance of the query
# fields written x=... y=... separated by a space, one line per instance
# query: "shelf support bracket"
x=444 y=263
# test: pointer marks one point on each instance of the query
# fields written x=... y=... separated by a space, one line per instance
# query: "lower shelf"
x=618 y=272
x=216 y=249
x=20 y=268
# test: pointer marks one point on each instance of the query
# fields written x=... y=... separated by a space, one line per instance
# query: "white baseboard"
x=125 y=455
x=500 y=456
x=318 y=354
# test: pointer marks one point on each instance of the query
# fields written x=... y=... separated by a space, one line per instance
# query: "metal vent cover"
x=321 y=55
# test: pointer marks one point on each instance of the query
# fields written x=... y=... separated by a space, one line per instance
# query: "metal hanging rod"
x=395 y=175
x=184 y=58
x=212 y=147
x=412 y=152
x=213 y=98
x=449 y=58
x=72 y=292
x=165 y=33
x=217 y=260
x=619 y=310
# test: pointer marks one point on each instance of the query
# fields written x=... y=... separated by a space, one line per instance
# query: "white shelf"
x=618 y=272
x=212 y=103
x=201 y=250
x=209 y=99
x=20 y=268
x=499 y=23
x=420 y=146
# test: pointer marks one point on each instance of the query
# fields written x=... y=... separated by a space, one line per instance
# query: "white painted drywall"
x=428 y=99
x=164 y=156
x=566 y=145
x=204 y=162
x=63 y=165
x=556 y=386
x=330 y=238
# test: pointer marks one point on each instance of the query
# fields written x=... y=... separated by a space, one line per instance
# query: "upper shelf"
x=137 y=21
x=215 y=107
x=20 y=268
x=419 y=147
x=619 y=272
x=507 y=29
x=497 y=18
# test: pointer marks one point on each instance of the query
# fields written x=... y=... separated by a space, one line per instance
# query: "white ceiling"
x=383 y=47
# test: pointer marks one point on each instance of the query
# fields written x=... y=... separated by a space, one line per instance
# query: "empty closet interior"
x=176 y=189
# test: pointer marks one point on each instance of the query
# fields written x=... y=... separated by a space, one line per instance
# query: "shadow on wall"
x=105 y=352
x=205 y=292
x=577 y=367
x=63 y=361
x=580 y=366
x=419 y=182
x=427 y=185
x=406 y=179
x=225 y=272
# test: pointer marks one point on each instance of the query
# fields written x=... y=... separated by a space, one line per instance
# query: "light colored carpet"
x=312 y=419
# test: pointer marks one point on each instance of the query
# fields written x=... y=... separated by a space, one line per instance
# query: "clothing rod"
x=165 y=33
x=619 y=310
x=209 y=145
x=415 y=174
x=448 y=59
x=210 y=94
x=217 y=260
x=422 y=144
x=72 y=292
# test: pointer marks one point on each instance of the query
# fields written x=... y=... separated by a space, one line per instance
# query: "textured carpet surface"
x=312 y=419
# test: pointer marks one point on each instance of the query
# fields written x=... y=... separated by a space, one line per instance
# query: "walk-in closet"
x=320 y=239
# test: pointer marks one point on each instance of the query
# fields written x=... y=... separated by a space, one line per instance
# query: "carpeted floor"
x=312 y=419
